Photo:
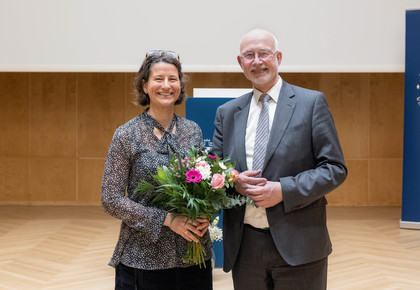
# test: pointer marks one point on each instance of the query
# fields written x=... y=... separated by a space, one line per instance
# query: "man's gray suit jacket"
x=304 y=154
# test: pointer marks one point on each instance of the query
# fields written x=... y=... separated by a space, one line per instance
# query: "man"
x=282 y=241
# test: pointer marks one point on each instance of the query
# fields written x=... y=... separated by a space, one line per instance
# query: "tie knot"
x=264 y=98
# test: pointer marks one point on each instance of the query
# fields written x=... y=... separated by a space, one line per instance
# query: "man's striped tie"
x=262 y=134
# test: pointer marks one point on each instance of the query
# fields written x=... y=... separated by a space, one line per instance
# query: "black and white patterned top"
x=135 y=151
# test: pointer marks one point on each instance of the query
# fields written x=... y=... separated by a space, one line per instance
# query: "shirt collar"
x=273 y=92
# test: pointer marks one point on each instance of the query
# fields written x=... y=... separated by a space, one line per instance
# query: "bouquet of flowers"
x=194 y=186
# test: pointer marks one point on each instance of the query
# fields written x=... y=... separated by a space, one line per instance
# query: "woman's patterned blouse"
x=135 y=152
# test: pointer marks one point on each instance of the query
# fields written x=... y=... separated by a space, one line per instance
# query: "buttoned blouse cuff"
x=154 y=223
x=160 y=219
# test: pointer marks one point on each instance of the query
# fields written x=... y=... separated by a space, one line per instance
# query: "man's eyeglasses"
x=263 y=55
x=163 y=52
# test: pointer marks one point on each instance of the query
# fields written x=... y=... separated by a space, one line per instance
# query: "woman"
x=151 y=243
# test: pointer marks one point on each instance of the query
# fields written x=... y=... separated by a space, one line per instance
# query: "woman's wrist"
x=168 y=220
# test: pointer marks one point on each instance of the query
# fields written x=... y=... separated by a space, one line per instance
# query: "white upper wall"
x=114 y=35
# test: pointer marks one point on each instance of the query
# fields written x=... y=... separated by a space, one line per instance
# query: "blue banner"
x=410 y=217
x=202 y=111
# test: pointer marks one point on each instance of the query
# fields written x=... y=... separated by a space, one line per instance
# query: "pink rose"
x=217 y=181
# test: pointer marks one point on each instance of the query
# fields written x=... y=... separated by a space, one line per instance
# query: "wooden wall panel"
x=305 y=80
x=354 y=191
x=215 y=80
x=14 y=114
x=52 y=120
x=348 y=98
x=55 y=131
x=101 y=109
x=386 y=115
x=52 y=179
x=385 y=182
x=14 y=179
x=90 y=173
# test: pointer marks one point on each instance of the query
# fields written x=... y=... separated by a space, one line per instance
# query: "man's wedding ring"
x=186 y=232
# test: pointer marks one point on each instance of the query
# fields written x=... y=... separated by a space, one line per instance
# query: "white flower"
x=222 y=165
x=199 y=159
x=204 y=169
x=216 y=233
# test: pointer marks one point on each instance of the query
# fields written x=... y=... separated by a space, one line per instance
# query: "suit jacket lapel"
x=241 y=119
x=284 y=111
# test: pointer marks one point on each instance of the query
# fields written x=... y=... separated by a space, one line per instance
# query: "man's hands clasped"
x=264 y=193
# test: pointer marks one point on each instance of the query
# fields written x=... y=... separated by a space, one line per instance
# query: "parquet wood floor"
x=68 y=247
